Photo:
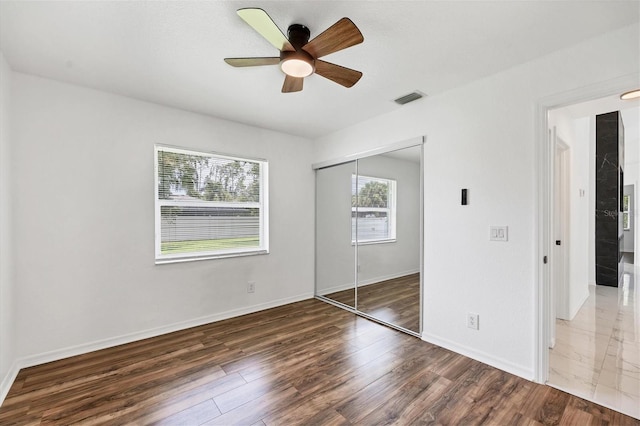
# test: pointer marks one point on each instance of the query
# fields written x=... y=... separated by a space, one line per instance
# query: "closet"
x=369 y=234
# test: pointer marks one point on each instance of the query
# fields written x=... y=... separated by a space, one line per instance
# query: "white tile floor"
x=597 y=354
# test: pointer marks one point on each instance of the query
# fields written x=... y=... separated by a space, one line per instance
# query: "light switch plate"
x=499 y=233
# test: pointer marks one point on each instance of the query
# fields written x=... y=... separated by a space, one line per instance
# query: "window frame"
x=262 y=205
x=391 y=209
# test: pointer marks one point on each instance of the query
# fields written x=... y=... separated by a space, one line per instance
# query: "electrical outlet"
x=473 y=321
x=251 y=287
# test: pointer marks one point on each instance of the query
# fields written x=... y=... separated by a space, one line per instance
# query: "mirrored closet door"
x=335 y=255
x=369 y=236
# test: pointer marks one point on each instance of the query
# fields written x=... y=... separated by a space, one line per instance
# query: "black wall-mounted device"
x=464 y=197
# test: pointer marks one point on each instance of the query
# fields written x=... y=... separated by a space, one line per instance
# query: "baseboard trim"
x=337 y=288
x=485 y=358
x=387 y=277
x=370 y=281
x=8 y=380
x=584 y=298
x=58 y=354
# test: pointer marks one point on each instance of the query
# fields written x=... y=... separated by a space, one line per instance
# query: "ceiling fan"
x=299 y=56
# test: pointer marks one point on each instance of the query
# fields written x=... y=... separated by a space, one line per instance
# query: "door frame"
x=633 y=218
x=544 y=201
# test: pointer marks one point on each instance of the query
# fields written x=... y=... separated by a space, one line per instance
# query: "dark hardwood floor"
x=305 y=363
x=346 y=297
x=396 y=301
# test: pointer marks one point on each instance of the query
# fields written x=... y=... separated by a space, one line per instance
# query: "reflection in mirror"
x=386 y=225
x=335 y=253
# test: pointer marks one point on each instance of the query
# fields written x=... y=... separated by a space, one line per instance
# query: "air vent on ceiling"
x=408 y=98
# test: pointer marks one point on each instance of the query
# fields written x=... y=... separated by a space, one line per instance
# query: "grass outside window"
x=172 y=247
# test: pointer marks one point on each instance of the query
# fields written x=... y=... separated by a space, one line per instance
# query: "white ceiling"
x=172 y=52
x=629 y=109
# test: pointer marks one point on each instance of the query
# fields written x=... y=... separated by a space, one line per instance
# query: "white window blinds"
x=209 y=205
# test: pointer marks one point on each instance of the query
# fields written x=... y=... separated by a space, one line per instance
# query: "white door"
x=559 y=289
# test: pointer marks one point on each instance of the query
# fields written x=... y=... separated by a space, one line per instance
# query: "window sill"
x=372 y=242
x=209 y=257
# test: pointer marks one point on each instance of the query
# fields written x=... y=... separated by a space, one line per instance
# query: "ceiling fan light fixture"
x=296 y=67
x=299 y=57
x=632 y=94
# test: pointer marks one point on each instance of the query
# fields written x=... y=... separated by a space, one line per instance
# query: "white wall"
x=482 y=137
x=7 y=346
x=583 y=213
x=84 y=221
x=576 y=133
x=632 y=171
x=587 y=128
x=631 y=148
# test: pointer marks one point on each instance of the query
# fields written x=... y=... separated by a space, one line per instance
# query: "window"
x=625 y=213
x=373 y=209
x=209 y=205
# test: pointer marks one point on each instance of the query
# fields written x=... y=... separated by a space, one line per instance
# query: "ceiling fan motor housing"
x=298 y=35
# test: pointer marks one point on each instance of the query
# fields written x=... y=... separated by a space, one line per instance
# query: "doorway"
x=606 y=387
x=628 y=227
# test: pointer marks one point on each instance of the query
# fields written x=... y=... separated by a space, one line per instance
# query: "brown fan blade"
x=340 y=35
x=251 y=62
x=292 y=84
x=264 y=25
x=341 y=75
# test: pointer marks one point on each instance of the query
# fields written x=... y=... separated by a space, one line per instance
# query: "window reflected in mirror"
x=373 y=209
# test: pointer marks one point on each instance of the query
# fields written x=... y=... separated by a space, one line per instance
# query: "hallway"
x=597 y=354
